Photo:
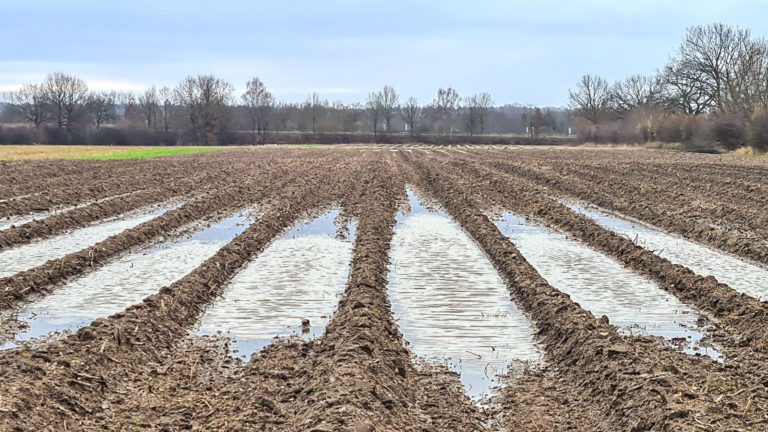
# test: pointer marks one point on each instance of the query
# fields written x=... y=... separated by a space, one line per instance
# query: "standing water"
x=603 y=286
x=450 y=303
x=738 y=274
x=298 y=277
x=18 y=220
x=37 y=253
x=125 y=281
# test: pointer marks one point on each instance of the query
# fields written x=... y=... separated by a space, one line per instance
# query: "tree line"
x=206 y=110
x=713 y=91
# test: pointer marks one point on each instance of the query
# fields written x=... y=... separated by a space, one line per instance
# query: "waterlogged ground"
x=737 y=273
x=603 y=286
x=299 y=276
x=11 y=221
x=37 y=253
x=124 y=281
x=449 y=302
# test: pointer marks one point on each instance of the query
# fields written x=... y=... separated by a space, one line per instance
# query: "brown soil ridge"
x=363 y=376
x=110 y=185
x=738 y=313
x=751 y=248
x=711 y=203
x=16 y=288
x=79 y=380
x=83 y=216
x=629 y=389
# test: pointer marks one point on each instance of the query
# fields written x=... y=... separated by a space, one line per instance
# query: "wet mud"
x=144 y=367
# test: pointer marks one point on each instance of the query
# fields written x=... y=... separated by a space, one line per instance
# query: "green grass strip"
x=152 y=152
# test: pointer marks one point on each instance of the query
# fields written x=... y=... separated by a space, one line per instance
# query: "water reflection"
x=738 y=274
x=449 y=302
x=299 y=276
x=125 y=281
x=18 y=220
x=603 y=286
x=37 y=253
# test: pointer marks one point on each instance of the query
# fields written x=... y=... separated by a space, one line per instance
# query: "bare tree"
x=477 y=110
x=447 y=99
x=355 y=112
x=314 y=107
x=68 y=98
x=166 y=107
x=411 y=114
x=683 y=92
x=389 y=105
x=30 y=103
x=129 y=109
x=375 y=107
x=591 y=97
x=149 y=104
x=259 y=104
x=637 y=91
x=446 y=104
x=102 y=108
x=727 y=66
x=206 y=101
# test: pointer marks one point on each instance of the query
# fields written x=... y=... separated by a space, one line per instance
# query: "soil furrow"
x=42 y=279
x=611 y=382
x=116 y=362
x=742 y=315
x=83 y=216
x=751 y=248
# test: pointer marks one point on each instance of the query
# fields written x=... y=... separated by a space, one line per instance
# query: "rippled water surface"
x=17 y=220
x=299 y=276
x=449 y=302
x=37 y=253
x=737 y=273
x=602 y=285
x=125 y=281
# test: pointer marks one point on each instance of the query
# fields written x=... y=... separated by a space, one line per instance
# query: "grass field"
x=23 y=152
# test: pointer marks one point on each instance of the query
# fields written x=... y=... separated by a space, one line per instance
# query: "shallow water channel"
x=601 y=285
x=18 y=220
x=449 y=302
x=31 y=255
x=125 y=281
x=737 y=273
x=299 y=276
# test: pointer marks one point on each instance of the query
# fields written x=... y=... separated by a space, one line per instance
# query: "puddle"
x=125 y=281
x=299 y=276
x=18 y=220
x=603 y=286
x=37 y=253
x=450 y=304
x=740 y=275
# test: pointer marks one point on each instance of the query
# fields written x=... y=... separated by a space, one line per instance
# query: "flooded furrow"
x=121 y=283
x=34 y=254
x=739 y=274
x=600 y=284
x=292 y=287
x=11 y=221
x=450 y=304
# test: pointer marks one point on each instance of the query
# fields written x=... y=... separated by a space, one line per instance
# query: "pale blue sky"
x=525 y=52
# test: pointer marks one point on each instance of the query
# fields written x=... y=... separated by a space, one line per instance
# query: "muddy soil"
x=728 y=222
x=145 y=369
x=588 y=350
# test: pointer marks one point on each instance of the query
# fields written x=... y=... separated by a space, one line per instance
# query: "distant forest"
x=205 y=110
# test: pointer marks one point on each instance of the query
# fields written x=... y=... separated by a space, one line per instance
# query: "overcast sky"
x=524 y=52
